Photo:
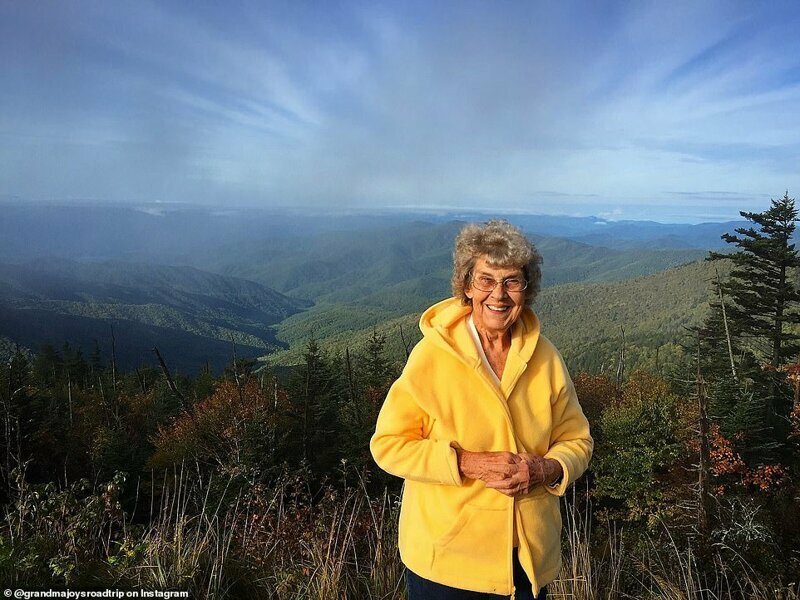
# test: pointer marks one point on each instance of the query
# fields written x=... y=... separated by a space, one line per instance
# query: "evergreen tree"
x=374 y=376
x=764 y=298
x=720 y=350
x=95 y=361
x=22 y=414
x=75 y=367
x=377 y=373
x=47 y=365
x=315 y=392
x=733 y=404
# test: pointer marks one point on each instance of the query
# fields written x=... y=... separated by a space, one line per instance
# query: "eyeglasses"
x=485 y=283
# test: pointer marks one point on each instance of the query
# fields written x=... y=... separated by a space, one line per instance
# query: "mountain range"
x=590 y=322
x=195 y=281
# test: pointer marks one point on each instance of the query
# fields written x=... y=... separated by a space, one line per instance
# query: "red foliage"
x=794 y=417
x=595 y=393
x=765 y=477
x=725 y=461
x=792 y=372
x=216 y=428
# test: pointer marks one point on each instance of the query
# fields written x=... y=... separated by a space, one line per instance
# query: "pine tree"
x=377 y=373
x=95 y=361
x=732 y=402
x=373 y=377
x=47 y=366
x=315 y=393
x=764 y=298
x=715 y=334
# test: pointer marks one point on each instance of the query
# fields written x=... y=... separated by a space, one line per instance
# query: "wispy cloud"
x=610 y=108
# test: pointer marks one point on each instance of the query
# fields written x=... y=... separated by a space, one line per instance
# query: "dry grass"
x=660 y=570
x=280 y=541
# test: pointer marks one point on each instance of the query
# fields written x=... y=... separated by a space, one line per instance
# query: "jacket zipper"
x=511 y=551
x=504 y=403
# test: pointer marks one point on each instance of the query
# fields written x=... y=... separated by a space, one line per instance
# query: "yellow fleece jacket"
x=457 y=531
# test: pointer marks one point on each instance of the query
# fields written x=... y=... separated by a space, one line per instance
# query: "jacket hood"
x=445 y=324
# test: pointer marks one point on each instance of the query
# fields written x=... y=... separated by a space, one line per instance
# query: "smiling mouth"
x=498 y=309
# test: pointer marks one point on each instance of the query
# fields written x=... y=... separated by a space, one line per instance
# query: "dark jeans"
x=420 y=588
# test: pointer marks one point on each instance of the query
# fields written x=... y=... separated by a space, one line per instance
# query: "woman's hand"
x=487 y=466
x=531 y=470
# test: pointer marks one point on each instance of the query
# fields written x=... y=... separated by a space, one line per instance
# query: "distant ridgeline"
x=263 y=283
x=587 y=321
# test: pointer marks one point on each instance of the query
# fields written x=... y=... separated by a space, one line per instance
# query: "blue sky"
x=671 y=111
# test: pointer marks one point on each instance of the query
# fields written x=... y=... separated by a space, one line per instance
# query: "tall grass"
x=280 y=541
x=662 y=568
x=229 y=540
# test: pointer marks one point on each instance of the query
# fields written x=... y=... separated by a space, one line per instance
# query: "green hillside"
x=195 y=313
x=584 y=320
x=400 y=269
x=258 y=294
x=411 y=270
x=139 y=284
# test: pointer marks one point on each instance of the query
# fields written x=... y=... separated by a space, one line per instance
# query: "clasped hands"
x=509 y=473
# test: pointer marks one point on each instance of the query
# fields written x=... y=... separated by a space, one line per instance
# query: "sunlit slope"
x=402 y=268
x=584 y=320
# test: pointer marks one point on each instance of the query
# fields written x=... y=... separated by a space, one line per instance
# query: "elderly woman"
x=485 y=428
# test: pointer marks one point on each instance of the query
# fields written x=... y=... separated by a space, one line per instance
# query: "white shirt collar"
x=473 y=331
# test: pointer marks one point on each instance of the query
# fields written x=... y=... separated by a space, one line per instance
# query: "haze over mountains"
x=191 y=315
x=369 y=266
x=157 y=231
x=192 y=281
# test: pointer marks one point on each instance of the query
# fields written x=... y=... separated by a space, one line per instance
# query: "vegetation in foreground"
x=252 y=486
x=208 y=510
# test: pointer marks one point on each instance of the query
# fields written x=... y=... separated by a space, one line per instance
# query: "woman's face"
x=495 y=311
